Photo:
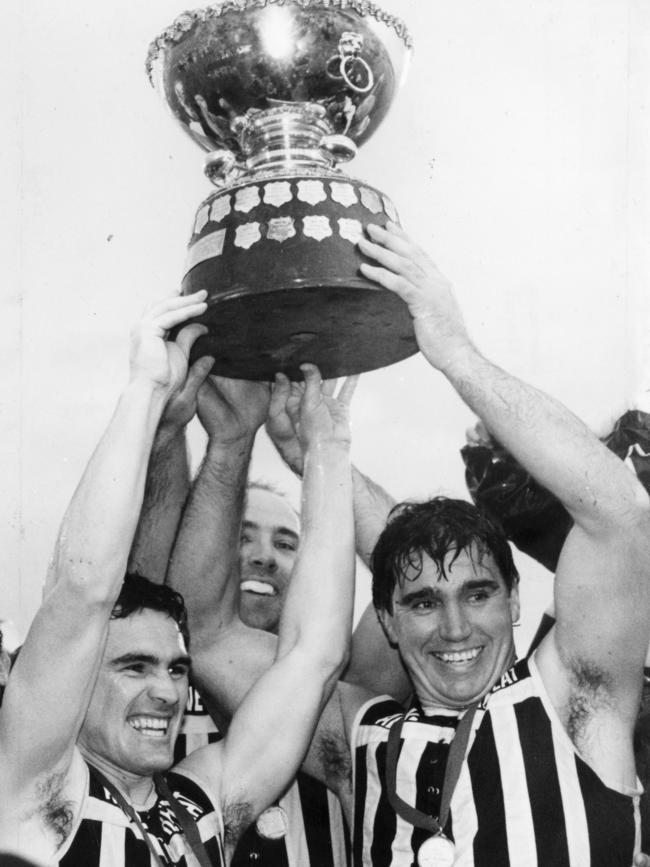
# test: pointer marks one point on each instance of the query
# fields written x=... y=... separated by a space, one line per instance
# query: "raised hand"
x=230 y=409
x=279 y=426
x=404 y=268
x=285 y=404
x=316 y=414
x=160 y=362
x=182 y=405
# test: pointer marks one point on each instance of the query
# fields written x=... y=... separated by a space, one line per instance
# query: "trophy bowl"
x=280 y=93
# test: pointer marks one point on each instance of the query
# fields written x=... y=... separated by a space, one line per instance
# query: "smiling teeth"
x=459 y=655
x=260 y=587
x=150 y=725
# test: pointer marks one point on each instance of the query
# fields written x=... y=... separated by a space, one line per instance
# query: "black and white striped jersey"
x=317 y=833
x=106 y=837
x=524 y=797
x=198 y=729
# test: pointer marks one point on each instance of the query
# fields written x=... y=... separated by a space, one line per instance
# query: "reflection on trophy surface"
x=279 y=92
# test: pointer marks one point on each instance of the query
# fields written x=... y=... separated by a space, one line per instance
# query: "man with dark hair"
x=95 y=701
x=496 y=763
x=249 y=530
x=139 y=592
x=435 y=528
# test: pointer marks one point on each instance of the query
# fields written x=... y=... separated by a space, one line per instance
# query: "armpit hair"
x=237 y=817
x=333 y=755
x=590 y=691
x=56 y=811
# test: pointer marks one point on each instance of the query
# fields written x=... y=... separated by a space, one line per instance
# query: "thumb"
x=197 y=375
x=186 y=338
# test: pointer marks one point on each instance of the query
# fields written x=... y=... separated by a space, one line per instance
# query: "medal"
x=437 y=851
x=272 y=824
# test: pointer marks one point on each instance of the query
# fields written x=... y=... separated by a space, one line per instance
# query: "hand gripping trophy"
x=280 y=92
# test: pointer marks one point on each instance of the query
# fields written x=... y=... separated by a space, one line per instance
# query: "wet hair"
x=437 y=528
x=138 y=593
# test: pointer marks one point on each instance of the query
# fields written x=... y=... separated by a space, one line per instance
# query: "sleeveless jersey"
x=317 y=834
x=106 y=837
x=524 y=797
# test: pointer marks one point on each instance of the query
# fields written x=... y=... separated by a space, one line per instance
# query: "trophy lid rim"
x=186 y=20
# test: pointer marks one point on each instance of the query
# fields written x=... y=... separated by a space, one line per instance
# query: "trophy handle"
x=339 y=148
x=221 y=166
x=349 y=66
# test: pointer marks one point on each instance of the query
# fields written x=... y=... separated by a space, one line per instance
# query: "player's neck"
x=137 y=789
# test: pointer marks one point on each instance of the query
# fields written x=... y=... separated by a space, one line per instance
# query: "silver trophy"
x=280 y=93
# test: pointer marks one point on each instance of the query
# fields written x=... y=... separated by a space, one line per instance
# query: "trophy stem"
x=285 y=136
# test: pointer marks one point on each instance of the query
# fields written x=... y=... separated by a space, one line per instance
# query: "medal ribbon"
x=455 y=760
x=183 y=817
x=186 y=821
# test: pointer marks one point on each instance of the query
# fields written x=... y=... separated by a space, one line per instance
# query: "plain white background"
x=517 y=154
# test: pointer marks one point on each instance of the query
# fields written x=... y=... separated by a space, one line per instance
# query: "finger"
x=389 y=280
x=390 y=259
x=175 y=302
x=394 y=239
x=312 y=395
x=171 y=318
x=296 y=391
x=186 y=338
x=396 y=229
x=293 y=403
x=329 y=387
x=346 y=392
x=280 y=391
x=197 y=375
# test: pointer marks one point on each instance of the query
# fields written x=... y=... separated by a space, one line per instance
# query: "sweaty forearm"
x=549 y=441
x=322 y=584
x=203 y=565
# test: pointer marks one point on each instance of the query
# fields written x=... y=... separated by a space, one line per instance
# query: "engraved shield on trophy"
x=280 y=93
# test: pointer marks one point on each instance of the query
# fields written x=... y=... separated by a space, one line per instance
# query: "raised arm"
x=168 y=480
x=374 y=664
x=204 y=562
x=602 y=598
x=281 y=710
x=50 y=686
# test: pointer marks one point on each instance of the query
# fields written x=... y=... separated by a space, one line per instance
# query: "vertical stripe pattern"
x=524 y=797
x=106 y=837
x=317 y=835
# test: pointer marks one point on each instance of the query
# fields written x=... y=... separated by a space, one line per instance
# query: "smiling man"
x=497 y=762
x=137 y=704
x=502 y=764
x=454 y=568
x=267 y=552
x=233 y=560
x=94 y=703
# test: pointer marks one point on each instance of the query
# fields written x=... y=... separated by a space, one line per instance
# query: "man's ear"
x=386 y=622
x=514 y=603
